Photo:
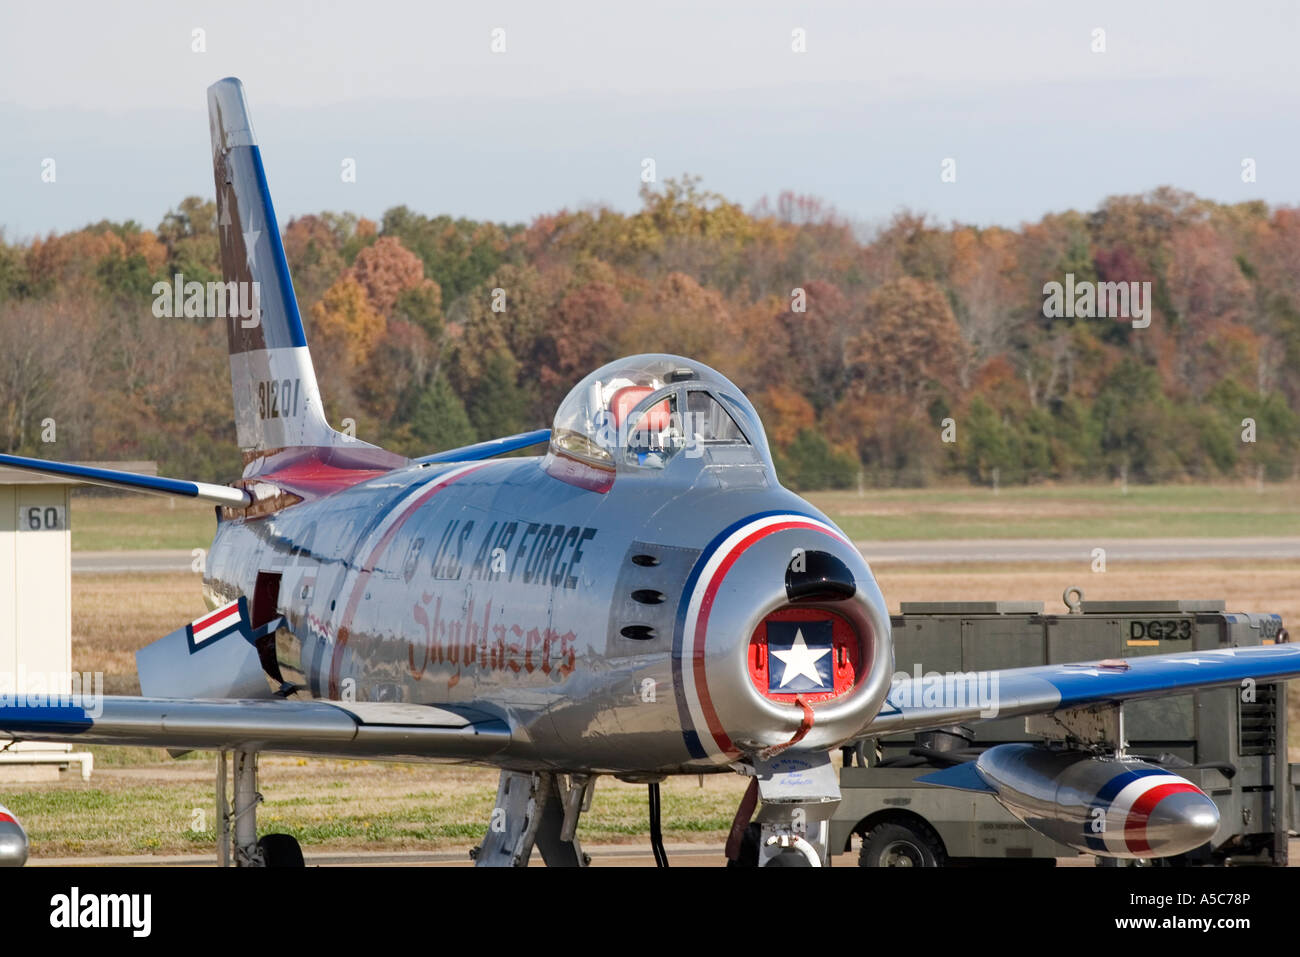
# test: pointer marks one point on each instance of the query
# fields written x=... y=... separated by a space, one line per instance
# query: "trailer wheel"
x=902 y=844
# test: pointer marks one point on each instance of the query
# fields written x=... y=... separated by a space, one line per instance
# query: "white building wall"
x=36 y=589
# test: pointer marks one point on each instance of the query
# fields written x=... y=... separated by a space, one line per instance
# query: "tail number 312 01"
x=278 y=400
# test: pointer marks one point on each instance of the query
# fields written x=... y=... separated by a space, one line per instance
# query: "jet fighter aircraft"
x=641 y=599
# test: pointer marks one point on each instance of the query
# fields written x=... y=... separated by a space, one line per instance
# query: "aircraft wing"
x=205 y=688
x=335 y=728
x=933 y=701
x=131 y=481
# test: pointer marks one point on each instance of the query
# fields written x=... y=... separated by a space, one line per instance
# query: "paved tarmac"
x=143 y=560
x=613 y=855
x=605 y=855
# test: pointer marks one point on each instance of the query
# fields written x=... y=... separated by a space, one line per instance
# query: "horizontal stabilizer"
x=489 y=449
x=215 y=656
x=204 y=491
x=964 y=777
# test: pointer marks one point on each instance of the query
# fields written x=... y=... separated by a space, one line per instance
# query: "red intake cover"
x=845 y=653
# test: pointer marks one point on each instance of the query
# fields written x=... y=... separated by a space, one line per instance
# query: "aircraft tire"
x=789 y=857
x=281 y=850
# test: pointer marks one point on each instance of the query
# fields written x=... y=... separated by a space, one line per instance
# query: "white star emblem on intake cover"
x=801 y=662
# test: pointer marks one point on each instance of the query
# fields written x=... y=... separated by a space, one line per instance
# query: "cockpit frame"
x=598 y=435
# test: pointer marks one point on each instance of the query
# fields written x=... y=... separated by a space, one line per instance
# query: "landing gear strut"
x=538 y=809
x=273 y=850
x=800 y=792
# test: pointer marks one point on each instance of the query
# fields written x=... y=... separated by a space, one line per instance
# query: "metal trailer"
x=1229 y=742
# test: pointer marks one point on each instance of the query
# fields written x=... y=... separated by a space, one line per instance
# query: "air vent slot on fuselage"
x=651 y=584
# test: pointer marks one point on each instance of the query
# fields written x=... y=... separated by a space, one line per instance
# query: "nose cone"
x=782 y=615
x=1179 y=822
x=13 y=841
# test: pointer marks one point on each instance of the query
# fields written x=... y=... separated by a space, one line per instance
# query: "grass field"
x=111 y=522
x=126 y=522
x=1071 y=511
x=115 y=615
x=160 y=806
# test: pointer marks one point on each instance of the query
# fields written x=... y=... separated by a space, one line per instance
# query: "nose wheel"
x=799 y=793
x=791 y=850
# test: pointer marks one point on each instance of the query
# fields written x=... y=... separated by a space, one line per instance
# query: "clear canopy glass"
x=644 y=410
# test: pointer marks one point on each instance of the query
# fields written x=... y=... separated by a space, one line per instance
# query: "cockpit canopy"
x=642 y=412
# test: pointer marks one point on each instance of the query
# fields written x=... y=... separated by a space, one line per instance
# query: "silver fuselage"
x=495 y=586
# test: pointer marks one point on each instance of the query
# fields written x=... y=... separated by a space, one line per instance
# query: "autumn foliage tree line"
x=914 y=354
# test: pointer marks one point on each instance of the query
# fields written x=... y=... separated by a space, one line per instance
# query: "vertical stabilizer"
x=277 y=401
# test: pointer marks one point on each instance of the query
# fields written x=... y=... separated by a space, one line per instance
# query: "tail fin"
x=277 y=401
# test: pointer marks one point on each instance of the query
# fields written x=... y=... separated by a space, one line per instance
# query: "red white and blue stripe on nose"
x=1123 y=807
x=227 y=620
x=702 y=730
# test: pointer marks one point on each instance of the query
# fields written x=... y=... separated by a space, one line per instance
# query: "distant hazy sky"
x=1035 y=120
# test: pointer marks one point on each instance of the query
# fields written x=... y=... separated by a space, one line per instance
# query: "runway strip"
x=607 y=855
x=937 y=552
x=144 y=560
x=611 y=855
